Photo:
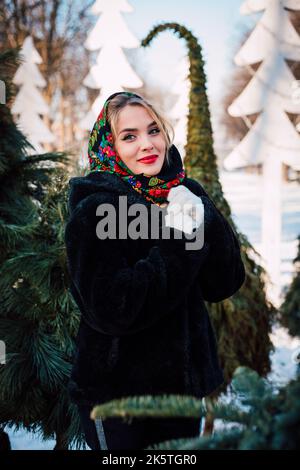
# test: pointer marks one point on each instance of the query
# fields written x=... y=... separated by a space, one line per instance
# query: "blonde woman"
x=144 y=326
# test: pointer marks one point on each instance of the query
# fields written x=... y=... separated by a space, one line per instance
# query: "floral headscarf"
x=103 y=157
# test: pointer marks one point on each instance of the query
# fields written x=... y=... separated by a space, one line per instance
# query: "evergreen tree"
x=259 y=417
x=290 y=309
x=179 y=111
x=242 y=322
x=37 y=319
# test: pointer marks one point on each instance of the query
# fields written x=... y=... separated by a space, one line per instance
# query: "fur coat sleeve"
x=223 y=272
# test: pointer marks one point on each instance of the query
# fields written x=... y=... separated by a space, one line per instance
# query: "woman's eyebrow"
x=132 y=129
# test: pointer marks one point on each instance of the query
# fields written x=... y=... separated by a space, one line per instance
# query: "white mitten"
x=180 y=221
x=181 y=199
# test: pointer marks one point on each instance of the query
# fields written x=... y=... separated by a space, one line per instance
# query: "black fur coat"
x=144 y=326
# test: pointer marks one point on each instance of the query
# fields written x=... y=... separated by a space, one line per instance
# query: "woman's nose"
x=146 y=144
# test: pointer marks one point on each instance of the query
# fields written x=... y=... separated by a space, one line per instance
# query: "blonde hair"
x=117 y=103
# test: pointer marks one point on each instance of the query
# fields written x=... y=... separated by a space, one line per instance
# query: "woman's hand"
x=180 y=221
x=185 y=211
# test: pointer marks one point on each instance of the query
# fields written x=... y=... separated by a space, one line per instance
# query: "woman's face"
x=138 y=136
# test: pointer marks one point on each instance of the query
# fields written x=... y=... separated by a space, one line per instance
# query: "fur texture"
x=144 y=325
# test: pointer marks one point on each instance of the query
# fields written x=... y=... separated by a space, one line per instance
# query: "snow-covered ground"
x=284 y=360
x=23 y=440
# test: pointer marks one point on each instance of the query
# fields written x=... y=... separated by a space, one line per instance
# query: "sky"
x=217 y=24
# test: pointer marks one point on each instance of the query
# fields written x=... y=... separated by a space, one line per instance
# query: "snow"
x=24 y=440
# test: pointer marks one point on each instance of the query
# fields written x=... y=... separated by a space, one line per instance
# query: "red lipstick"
x=149 y=159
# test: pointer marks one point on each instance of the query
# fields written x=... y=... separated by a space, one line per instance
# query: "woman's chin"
x=150 y=170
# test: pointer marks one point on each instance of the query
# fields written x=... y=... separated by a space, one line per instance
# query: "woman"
x=144 y=326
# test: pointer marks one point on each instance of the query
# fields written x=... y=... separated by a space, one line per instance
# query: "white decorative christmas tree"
x=272 y=139
x=112 y=72
x=179 y=112
x=29 y=104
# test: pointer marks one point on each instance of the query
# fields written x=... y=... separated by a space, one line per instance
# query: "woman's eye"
x=155 y=129
x=128 y=135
